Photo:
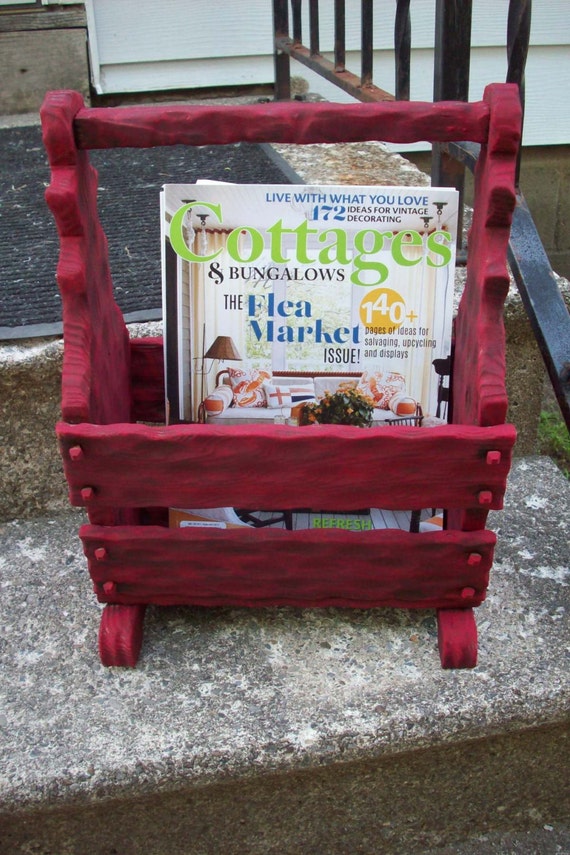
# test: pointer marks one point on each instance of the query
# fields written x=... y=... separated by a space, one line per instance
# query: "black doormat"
x=129 y=184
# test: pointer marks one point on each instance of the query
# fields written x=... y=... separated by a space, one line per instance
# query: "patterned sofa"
x=242 y=396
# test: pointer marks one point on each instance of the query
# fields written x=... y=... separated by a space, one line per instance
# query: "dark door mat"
x=129 y=184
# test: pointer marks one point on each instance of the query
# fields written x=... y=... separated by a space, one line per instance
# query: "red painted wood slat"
x=96 y=367
x=479 y=395
x=265 y=466
x=307 y=568
x=144 y=127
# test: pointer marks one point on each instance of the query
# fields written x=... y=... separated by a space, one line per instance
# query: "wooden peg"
x=493 y=457
x=76 y=452
x=485 y=497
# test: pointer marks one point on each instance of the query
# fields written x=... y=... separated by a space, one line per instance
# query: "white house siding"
x=142 y=46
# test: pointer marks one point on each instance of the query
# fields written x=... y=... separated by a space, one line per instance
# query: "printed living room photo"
x=303 y=305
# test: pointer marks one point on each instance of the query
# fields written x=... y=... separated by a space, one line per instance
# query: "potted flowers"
x=346 y=406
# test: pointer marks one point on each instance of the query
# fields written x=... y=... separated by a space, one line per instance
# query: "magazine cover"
x=283 y=279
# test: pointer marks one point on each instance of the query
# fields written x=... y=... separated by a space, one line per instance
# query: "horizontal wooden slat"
x=256 y=567
x=328 y=467
x=404 y=122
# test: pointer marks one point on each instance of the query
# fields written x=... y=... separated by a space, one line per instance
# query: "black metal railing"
x=540 y=294
x=289 y=45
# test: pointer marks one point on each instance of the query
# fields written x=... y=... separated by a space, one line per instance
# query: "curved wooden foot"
x=121 y=634
x=457 y=638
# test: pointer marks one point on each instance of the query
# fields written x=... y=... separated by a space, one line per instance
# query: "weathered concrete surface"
x=31 y=475
x=283 y=730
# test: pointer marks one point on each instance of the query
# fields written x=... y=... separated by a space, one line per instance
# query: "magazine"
x=298 y=279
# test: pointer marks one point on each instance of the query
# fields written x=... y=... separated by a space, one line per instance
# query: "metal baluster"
x=402 y=47
x=339 y=35
x=451 y=83
x=518 y=37
x=281 y=60
x=297 y=22
x=366 y=42
x=314 y=26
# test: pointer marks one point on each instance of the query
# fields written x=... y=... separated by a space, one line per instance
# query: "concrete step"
x=283 y=730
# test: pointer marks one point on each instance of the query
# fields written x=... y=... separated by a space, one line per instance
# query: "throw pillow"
x=277 y=396
x=302 y=392
x=381 y=387
x=403 y=405
x=218 y=400
x=247 y=386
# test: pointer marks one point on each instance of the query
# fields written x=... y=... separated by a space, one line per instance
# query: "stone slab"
x=285 y=730
x=31 y=472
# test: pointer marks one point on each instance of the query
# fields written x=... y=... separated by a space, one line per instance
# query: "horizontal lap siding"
x=255 y=567
x=328 y=467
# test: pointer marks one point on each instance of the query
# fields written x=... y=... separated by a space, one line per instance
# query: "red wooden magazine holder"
x=124 y=472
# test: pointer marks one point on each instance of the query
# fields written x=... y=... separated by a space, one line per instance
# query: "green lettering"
x=276 y=231
x=336 y=250
x=361 y=264
x=177 y=232
x=303 y=231
x=235 y=250
x=401 y=240
x=439 y=249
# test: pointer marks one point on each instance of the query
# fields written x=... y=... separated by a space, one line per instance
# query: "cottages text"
x=361 y=249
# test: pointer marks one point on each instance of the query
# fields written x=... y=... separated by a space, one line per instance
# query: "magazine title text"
x=361 y=249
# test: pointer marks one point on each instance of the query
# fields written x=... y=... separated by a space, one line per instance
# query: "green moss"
x=554 y=440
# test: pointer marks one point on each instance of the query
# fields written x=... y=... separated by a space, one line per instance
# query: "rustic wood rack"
x=126 y=472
